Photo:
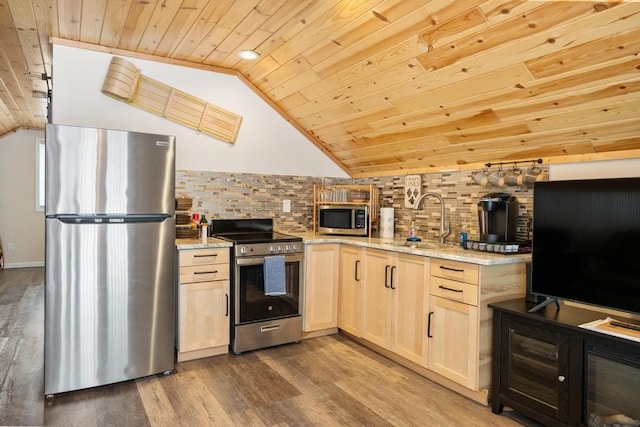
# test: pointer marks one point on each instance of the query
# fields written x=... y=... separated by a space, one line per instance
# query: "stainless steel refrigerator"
x=109 y=256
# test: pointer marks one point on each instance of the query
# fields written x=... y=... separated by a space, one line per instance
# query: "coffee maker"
x=498 y=217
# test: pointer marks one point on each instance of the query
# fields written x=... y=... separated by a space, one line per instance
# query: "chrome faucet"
x=444 y=230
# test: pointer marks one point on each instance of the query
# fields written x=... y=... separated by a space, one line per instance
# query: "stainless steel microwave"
x=345 y=220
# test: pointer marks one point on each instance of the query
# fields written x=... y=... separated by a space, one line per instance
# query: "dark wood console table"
x=551 y=370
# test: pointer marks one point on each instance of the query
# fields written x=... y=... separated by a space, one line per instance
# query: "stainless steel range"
x=267 y=271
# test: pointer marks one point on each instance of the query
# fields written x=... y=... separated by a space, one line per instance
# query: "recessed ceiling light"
x=248 y=54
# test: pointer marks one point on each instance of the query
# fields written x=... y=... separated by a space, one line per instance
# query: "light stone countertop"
x=425 y=248
x=432 y=249
x=212 y=242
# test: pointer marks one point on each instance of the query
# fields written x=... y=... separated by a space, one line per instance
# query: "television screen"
x=586 y=241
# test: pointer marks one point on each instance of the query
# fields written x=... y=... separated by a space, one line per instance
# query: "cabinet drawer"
x=453 y=290
x=204 y=273
x=204 y=256
x=455 y=270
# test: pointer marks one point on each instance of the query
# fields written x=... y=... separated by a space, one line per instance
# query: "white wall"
x=628 y=168
x=20 y=224
x=266 y=143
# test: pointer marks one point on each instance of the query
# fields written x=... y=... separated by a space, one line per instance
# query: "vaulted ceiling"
x=382 y=86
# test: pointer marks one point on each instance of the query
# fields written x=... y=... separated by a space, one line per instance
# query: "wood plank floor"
x=326 y=381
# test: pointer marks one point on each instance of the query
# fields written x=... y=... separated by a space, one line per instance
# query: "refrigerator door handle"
x=106 y=219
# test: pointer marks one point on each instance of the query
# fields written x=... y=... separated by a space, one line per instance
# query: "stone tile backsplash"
x=222 y=195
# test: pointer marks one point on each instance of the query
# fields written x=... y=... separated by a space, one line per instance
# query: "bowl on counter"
x=360 y=196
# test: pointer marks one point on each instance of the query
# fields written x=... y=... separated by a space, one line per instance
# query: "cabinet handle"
x=386 y=276
x=392 y=270
x=450 y=289
x=457 y=270
x=429 y=325
x=206 y=272
x=357 y=271
x=204 y=256
x=561 y=378
x=226 y=314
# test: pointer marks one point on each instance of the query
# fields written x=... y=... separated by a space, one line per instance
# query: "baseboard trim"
x=320 y=333
x=205 y=352
x=25 y=264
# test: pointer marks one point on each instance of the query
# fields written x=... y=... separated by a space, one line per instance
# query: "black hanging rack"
x=488 y=165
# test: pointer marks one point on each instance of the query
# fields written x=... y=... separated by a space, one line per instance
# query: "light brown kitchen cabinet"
x=203 y=303
x=459 y=323
x=427 y=313
x=322 y=263
x=454 y=341
x=377 y=299
x=351 y=290
x=411 y=308
x=396 y=303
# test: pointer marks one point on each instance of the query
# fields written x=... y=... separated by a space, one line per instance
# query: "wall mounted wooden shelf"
x=348 y=195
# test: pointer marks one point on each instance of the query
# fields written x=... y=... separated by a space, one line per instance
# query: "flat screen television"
x=586 y=242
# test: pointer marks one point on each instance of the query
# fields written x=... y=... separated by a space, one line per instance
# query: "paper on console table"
x=604 y=326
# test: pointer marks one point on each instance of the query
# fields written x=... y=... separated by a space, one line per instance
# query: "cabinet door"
x=204 y=315
x=378 y=298
x=350 y=289
x=411 y=298
x=535 y=368
x=321 y=287
x=453 y=346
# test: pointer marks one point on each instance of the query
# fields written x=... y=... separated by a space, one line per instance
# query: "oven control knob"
x=295 y=247
x=287 y=248
x=272 y=249
x=243 y=250
x=279 y=248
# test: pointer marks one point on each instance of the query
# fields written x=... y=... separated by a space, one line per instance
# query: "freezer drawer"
x=109 y=302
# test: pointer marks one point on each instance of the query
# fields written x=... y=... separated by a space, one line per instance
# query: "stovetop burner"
x=255 y=237
x=258 y=237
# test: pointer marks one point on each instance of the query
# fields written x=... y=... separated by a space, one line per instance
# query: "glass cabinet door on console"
x=536 y=371
x=549 y=368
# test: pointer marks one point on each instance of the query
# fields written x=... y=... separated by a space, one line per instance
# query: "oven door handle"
x=260 y=260
x=250 y=261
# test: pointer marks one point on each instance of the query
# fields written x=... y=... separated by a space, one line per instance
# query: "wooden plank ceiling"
x=382 y=86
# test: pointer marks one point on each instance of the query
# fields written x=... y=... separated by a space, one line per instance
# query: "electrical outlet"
x=10 y=247
x=286 y=205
